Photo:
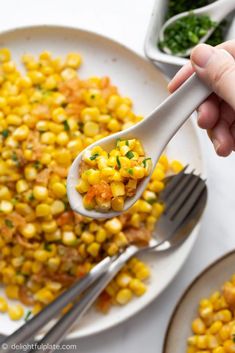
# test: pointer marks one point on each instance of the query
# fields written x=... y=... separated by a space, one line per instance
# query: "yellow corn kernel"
x=68 y=74
x=40 y=192
x=21 y=186
x=101 y=235
x=229 y=346
x=212 y=341
x=91 y=129
x=15 y=312
x=59 y=189
x=117 y=203
x=144 y=206
x=123 y=296
x=198 y=326
x=93 y=177
x=218 y=350
x=12 y=291
x=143 y=272
x=30 y=173
x=215 y=327
x=62 y=138
x=5 y=55
x=3 y=305
x=93 y=249
x=5 y=193
x=120 y=240
x=223 y=315
x=117 y=188
x=82 y=186
x=158 y=174
x=114 y=125
x=176 y=166
x=113 y=226
x=123 y=280
x=29 y=230
x=73 y=60
x=13 y=119
x=57 y=207
x=88 y=204
x=43 y=210
x=48 y=138
x=224 y=332
x=202 y=342
x=21 y=133
x=44 y=296
x=87 y=237
x=6 y=206
x=137 y=287
x=69 y=238
x=41 y=255
x=49 y=227
x=112 y=249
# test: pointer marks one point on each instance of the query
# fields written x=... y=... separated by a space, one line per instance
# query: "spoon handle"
x=220 y=9
x=175 y=110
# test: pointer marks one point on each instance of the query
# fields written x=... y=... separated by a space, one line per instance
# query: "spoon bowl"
x=154 y=132
x=217 y=11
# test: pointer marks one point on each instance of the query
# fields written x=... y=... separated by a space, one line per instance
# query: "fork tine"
x=175 y=204
x=178 y=190
x=171 y=185
x=182 y=212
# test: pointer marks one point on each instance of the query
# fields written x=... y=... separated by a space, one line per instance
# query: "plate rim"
x=73 y=334
x=187 y=290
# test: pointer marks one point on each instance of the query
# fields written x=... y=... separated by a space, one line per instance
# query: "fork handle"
x=62 y=327
x=31 y=327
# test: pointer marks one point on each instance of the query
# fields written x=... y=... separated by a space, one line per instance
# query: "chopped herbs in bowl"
x=186 y=32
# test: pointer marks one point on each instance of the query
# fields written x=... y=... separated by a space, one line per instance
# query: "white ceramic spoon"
x=217 y=11
x=155 y=131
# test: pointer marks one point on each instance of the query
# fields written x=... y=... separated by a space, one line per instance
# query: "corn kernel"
x=15 y=312
x=123 y=296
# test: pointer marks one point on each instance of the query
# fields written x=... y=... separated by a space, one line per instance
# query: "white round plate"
x=140 y=80
x=208 y=281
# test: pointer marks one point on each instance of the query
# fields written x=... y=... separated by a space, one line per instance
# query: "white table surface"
x=126 y=21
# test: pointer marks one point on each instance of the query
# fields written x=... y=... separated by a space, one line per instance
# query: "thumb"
x=216 y=67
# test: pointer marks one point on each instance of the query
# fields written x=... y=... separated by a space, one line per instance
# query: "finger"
x=208 y=113
x=216 y=68
x=187 y=69
x=222 y=139
x=227 y=113
x=182 y=75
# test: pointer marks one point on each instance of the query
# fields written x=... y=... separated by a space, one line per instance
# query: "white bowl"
x=156 y=22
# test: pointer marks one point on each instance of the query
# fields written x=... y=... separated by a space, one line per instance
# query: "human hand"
x=216 y=114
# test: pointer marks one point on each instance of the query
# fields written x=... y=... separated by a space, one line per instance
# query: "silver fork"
x=184 y=198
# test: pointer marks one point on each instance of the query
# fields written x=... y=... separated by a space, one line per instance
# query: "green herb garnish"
x=233 y=338
x=186 y=32
x=151 y=201
x=66 y=125
x=47 y=247
x=130 y=154
x=9 y=223
x=31 y=197
x=117 y=141
x=37 y=165
x=5 y=133
x=179 y=6
x=145 y=160
x=118 y=162
x=130 y=171
x=127 y=143
x=94 y=156
x=14 y=157
x=27 y=316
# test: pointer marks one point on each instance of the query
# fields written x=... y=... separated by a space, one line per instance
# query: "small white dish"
x=208 y=281
x=157 y=21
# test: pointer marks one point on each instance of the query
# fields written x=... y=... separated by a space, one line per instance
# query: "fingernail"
x=201 y=55
x=216 y=144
